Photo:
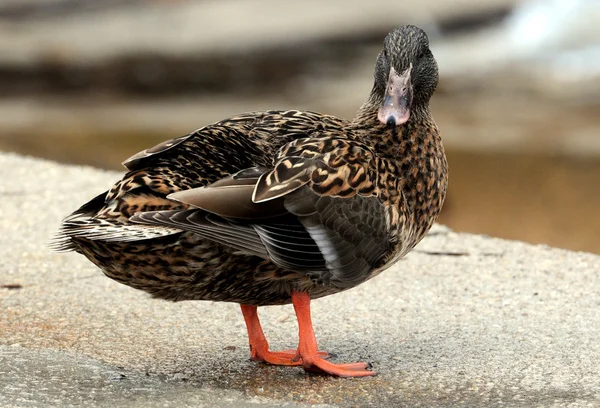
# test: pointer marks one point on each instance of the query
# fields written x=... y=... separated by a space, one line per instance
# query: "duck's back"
x=204 y=156
x=227 y=147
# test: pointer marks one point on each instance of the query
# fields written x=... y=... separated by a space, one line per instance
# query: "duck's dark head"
x=406 y=76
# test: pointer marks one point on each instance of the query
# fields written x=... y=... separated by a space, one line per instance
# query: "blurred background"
x=94 y=81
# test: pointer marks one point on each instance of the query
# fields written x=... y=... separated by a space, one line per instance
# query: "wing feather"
x=316 y=211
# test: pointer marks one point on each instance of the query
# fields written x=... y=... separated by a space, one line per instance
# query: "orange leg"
x=307 y=347
x=259 y=347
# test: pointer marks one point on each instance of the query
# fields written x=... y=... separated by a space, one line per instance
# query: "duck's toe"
x=319 y=365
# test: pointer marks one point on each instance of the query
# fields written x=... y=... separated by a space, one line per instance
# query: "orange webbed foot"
x=307 y=348
x=307 y=354
x=320 y=366
x=259 y=347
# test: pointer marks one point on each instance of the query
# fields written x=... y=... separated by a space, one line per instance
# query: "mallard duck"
x=278 y=207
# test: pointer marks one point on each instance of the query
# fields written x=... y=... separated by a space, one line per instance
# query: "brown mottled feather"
x=254 y=207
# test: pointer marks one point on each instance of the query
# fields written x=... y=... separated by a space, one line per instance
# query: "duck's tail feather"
x=83 y=224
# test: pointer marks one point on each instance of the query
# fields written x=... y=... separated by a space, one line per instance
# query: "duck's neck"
x=416 y=151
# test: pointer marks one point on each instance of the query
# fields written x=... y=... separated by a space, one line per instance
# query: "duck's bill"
x=397 y=101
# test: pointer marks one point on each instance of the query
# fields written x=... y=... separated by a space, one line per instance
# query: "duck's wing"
x=316 y=211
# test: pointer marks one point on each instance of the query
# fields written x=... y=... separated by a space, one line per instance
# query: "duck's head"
x=406 y=75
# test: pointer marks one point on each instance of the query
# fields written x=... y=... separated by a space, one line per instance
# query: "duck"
x=278 y=207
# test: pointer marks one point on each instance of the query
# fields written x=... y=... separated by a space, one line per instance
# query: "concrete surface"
x=464 y=320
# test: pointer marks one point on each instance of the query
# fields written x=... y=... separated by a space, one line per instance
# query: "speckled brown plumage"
x=264 y=208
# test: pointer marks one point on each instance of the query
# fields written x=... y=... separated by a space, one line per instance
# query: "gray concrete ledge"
x=462 y=321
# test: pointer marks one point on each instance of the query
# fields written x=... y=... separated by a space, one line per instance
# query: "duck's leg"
x=259 y=347
x=307 y=347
